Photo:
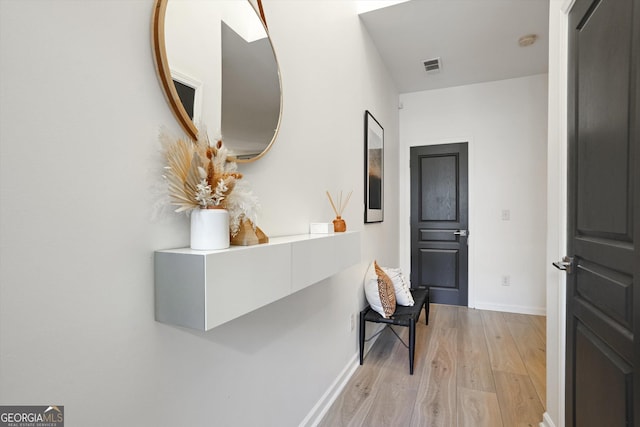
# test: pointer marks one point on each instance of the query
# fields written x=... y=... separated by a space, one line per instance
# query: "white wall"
x=505 y=124
x=80 y=110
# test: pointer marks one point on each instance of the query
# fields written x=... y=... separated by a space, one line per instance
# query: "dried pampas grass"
x=199 y=174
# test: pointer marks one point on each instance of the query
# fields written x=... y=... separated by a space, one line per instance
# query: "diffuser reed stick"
x=332 y=205
x=346 y=202
x=338 y=211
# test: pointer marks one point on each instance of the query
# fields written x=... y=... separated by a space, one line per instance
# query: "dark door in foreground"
x=603 y=296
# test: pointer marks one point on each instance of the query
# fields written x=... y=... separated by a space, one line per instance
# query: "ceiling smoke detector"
x=527 y=40
x=432 y=65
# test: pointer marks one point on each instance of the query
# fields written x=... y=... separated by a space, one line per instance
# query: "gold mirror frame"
x=166 y=79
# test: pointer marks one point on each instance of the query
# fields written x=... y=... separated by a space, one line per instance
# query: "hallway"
x=473 y=368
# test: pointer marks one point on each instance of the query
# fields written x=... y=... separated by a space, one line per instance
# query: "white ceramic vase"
x=209 y=229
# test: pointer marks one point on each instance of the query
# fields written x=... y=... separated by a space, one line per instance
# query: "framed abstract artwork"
x=374 y=169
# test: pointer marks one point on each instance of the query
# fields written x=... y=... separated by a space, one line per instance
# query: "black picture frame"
x=374 y=169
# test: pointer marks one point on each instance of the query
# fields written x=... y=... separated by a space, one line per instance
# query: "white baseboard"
x=537 y=311
x=547 y=421
x=316 y=414
x=319 y=410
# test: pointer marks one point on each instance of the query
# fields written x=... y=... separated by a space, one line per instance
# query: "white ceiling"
x=476 y=40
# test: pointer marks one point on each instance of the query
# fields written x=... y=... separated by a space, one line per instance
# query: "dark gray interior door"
x=440 y=221
x=603 y=296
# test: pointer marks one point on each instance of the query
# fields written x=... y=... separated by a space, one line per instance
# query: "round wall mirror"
x=219 y=71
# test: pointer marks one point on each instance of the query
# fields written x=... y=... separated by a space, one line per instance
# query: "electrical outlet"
x=353 y=321
x=506 y=215
x=506 y=280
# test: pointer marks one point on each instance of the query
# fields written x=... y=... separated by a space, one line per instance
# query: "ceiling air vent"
x=432 y=65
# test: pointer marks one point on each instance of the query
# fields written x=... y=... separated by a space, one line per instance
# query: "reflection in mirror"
x=219 y=71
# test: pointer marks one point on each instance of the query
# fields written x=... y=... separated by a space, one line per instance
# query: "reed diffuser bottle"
x=339 y=225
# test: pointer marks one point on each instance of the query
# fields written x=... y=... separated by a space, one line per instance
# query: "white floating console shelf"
x=203 y=289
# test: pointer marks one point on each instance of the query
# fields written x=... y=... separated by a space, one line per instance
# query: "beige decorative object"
x=339 y=225
x=249 y=234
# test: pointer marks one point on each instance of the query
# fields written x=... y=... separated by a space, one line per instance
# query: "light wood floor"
x=473 y=368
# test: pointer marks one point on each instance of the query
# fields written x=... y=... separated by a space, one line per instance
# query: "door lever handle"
x=565 y=265
x=462 y=233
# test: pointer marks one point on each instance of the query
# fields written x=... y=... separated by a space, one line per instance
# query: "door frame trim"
x=557 y=210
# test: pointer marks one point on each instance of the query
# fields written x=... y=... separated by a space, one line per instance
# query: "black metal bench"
x=403 y=316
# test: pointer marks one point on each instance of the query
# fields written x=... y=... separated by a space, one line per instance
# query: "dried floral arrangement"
x=199 y=175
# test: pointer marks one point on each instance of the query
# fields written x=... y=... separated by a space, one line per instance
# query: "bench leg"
x=362 y=332
x=426 y=309
x=412 y=344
